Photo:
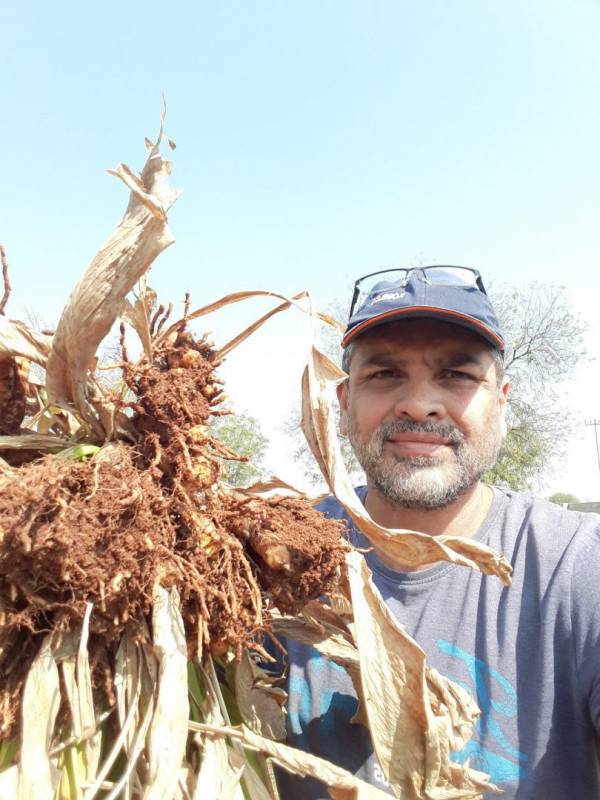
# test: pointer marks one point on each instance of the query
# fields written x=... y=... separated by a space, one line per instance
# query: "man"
x=424 y=409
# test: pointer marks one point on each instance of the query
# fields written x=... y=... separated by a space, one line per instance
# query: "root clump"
x=105 y=530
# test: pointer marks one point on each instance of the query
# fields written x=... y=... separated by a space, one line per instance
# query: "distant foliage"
x=328 y=342
x=242 y=434
x=520 y=458
x=563 y=498
x=305 y=458
x=544 y=346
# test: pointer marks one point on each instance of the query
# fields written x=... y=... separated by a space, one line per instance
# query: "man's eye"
x=380 y=375
x=457 y=375
x=383 y=373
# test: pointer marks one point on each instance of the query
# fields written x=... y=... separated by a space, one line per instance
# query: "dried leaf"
x=260 y=701
x=168 y=730
x=254 y=787
x=220 y=773
x=241 y=337
x=33 y=441
x=38 y=776
x=411 y=741
x=340 y=327
x=96 y=301
x=298 y=762
x=70 y=683
x=230 y=787
x=127 y=682
x=17 y=339
x=329 y=629
x=269 y=485
x=456 y=704
x=135 y=754
x=138 y=315
x=131 y=722
x=76 y=672
x=405 y=548
x=237 y=297
x=127 y=685
x=45 y=421
x=227 y=300
x=216 y=768
x=322 y=628
x=7 y=287
x=355 y=793
x=8 y=783
x=85 y=700
x=213 y=768
x=182 y=791
x=127 y=725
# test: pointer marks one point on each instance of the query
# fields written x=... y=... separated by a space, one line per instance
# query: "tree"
x=544 y=345
x=544 y=339
x=520 y=458
x=329 y=343
x=563 y=498
x=304 y=457
x=242 y=434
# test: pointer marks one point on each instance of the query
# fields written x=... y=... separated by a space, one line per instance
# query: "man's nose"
x=419 y=401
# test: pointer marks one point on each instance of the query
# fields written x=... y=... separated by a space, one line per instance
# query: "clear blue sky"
x=316 y=141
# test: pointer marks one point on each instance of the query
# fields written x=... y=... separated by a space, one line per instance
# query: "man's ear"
x=342 y=395
x=502 y=399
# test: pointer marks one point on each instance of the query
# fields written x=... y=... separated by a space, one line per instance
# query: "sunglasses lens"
x=388 y=280
x=451 y=276
x=380 y=281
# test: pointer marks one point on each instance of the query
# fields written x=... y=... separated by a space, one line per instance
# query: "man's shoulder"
x=331 y=506
x=537 y=530
x=533 y=510
x=526 y=506
x=518 y=517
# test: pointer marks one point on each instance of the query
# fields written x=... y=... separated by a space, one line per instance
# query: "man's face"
x=423 y=410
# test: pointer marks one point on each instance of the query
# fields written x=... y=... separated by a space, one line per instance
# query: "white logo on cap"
x=386 y=296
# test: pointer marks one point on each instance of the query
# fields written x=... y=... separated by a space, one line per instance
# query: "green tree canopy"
x=563 y=497
x=519 y=462
x=544 y=345
x=242 y=434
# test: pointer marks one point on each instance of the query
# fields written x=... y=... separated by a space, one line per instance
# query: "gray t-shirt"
x=530 y=655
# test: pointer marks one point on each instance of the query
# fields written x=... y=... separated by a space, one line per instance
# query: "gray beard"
x=425 y=482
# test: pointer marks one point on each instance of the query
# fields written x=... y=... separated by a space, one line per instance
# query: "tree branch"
x=6 y=294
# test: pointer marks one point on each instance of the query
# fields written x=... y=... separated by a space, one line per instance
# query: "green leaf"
x=79 y=452
x=8 y=751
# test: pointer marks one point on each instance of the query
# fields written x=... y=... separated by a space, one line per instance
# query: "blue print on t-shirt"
x=335 y=708
x=500 y=768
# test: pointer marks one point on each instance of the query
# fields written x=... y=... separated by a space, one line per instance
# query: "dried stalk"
x=97 y=300
x=6 y=294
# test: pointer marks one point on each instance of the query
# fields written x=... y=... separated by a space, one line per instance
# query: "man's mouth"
x=417 y=444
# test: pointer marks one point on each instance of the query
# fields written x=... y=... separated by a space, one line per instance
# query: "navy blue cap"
x=388 y=301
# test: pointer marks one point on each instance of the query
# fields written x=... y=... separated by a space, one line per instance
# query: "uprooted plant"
x=137 y=588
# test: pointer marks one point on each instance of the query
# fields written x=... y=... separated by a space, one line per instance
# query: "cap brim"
x=446 y=314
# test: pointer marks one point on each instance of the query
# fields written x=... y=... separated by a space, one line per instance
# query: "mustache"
x=442 y=429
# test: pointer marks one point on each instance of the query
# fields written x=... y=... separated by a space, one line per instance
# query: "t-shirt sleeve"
x=585 y=618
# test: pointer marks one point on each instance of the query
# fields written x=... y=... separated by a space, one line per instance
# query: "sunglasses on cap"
x=435 y=275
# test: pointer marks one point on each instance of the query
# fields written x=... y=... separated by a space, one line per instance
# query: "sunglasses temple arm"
x=354 y=299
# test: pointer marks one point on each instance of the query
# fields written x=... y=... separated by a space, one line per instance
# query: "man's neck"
x=462 y=517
